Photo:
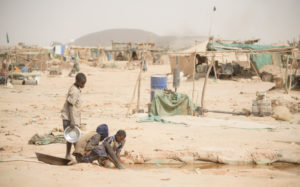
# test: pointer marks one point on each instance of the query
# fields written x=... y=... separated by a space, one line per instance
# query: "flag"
x=215 y=8
x=7 y=39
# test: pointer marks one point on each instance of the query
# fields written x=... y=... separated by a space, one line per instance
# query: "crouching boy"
x=109 y=150
x=86 y=143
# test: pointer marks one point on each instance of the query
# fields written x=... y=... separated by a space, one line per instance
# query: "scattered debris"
x=9 y=134
x=8 y=84
x=265 y=76
x=82 y=126
x=57 y=130
x=55 y=70
x=46 y=139
x=198 y=171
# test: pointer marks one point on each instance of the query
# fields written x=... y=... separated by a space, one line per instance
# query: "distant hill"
x=105 y=37
x=122 y=35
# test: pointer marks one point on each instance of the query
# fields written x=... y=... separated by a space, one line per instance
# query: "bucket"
x=24 y=69
x=158 y=82
x=109 y=57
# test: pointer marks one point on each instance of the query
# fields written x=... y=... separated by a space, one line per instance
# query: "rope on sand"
x=19 y=160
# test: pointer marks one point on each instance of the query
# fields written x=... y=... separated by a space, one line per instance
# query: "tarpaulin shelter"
x=241 y=53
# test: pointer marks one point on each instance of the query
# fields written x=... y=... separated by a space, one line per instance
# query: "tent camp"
x=223 y=53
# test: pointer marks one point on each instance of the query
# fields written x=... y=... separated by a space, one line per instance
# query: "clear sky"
x=43 y=21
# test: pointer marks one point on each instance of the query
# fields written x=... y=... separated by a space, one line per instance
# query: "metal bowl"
x=72 y=135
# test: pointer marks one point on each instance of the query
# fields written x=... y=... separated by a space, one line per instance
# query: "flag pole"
x=211 y=21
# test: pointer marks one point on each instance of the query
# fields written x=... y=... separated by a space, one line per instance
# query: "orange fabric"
x=16 y=69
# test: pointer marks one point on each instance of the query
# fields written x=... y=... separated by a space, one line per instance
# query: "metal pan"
x=52 y=159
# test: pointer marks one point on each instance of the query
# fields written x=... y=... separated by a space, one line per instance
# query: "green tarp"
x=261 y=59
x=215 y=46
x=168 y=103
x=152 y=118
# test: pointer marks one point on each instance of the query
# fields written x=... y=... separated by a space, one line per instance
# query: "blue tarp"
x=63 y=49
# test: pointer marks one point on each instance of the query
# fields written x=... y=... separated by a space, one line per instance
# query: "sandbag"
x=282 y=113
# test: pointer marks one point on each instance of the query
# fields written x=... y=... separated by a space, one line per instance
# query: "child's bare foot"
x=69 y=157
x=121 y=166
x=72 y=162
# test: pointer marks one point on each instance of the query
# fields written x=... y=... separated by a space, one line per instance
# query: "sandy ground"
x=26 y=110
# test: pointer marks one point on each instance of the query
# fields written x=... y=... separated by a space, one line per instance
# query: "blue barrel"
x=158 y=82
x=109 y=57
x=24 y=69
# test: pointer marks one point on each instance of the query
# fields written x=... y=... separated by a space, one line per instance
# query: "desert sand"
x=244 y=144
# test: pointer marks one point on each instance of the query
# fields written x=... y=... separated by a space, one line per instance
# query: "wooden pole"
x=253 y=66
x=291 y=72
x=286 y=74
x=205 y=81
x=251 y=63
x=194 y=62
x=139 y=94
x=7 y=66
x=215 y=70
x=133 y=95
x=139 y=85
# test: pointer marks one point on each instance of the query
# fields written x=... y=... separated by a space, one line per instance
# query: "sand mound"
x=282 y=113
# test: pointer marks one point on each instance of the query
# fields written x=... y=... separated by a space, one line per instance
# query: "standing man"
x=70 y=113
x=75 y=67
